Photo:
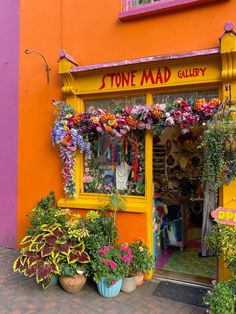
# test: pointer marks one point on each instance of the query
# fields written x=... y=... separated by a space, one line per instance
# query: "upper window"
x=138 y=8
x=133 y=3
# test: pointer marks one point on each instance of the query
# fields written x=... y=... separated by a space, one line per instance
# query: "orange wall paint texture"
x=91 y=32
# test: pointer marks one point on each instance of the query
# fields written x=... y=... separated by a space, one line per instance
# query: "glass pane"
x=189 y=96
x=140 y=2
x=111 y=104
x=116 y=165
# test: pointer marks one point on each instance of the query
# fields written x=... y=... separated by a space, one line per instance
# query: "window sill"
x=159 y=7
x=136 y=204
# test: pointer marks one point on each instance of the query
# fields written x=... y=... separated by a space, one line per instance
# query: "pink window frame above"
x=129 y=12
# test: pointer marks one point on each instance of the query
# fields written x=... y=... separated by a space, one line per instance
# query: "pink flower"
x=99 y=129
x=123 y=247
x=113 y=282
x=104 y=250
x=128 y=109
x=88 y=179
x=105 y=261
x=126 y=259
x=148 y=126
x=170 y=122
x=123 y=132
x=112 y=265
x=117 y=134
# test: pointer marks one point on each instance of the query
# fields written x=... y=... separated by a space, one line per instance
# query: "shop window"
x=189 y=96
x=138 y=8
x=116 y=165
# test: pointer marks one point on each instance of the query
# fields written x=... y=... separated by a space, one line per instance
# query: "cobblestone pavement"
x=19 y=294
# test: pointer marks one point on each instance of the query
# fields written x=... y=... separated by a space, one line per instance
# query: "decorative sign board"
x=226 y=216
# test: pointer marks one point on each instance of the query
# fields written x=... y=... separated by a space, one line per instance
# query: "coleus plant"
x=43 y=254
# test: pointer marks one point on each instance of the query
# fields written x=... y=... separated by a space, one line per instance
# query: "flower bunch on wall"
x=74 y=131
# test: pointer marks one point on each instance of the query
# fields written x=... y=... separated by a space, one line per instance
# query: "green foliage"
x=214 y=162
x=221 y=299
x=102 y=231
x=223 y=240
x=142 y=260
x=101 y=225
x=46 y=212
x=43 y=254
x=70 y=270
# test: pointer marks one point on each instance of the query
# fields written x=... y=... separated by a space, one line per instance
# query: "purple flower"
x=87 y=149
x=74 y=135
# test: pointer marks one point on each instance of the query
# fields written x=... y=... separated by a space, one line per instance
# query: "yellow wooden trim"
x=68 y=79
x=149 y=183
x=228 y=56
x=95 y=201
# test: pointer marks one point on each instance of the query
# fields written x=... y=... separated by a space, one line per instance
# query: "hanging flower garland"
x=75 y=131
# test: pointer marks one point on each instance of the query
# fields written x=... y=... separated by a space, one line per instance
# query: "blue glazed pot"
x=109 y=291
x=54 y=280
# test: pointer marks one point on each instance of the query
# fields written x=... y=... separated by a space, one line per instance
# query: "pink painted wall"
x=9 y=60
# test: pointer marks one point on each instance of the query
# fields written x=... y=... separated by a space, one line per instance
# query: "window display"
x=116 y=165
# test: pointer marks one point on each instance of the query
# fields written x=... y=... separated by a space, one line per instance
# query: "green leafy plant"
x=102 y=231
x=46 y=212
x=43 y=254
x=214 y=162
x=219 y=144
x=109 y=264
x=71 y=270
x=101 y=225
x=142 y=260
x=221 y=299
x=223 y=240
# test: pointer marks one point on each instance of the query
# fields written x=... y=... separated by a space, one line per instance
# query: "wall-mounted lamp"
x=27 y=51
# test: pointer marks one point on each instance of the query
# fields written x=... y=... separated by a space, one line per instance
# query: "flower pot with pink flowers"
x=109 y=268
x=142 y=261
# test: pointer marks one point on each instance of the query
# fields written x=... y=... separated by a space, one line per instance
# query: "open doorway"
x=179 y=207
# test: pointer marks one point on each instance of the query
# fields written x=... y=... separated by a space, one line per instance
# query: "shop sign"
x=160 y=75
x=226 y=216
x=140 y=77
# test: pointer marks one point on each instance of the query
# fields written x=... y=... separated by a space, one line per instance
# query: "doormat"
x=180 y=293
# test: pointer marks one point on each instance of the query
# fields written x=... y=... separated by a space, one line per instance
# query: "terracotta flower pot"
x=139 y=279
x=73 y=284
x=128 y=284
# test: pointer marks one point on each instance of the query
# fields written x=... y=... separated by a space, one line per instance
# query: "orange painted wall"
x=99 y=36
x=91 y=32
x=38 y=162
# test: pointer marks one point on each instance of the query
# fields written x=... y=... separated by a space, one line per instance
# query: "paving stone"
x=21 y=295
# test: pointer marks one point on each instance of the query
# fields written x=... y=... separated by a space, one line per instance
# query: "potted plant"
x=42 y=254
x=109 y=270
x=142 y=261
x=128 y=284
x=222 y=297
x=72 y=277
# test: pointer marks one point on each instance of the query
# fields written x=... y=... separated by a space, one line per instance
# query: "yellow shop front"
x=158 y=173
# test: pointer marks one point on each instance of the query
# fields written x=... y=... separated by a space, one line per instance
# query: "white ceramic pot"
x=128 y=284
